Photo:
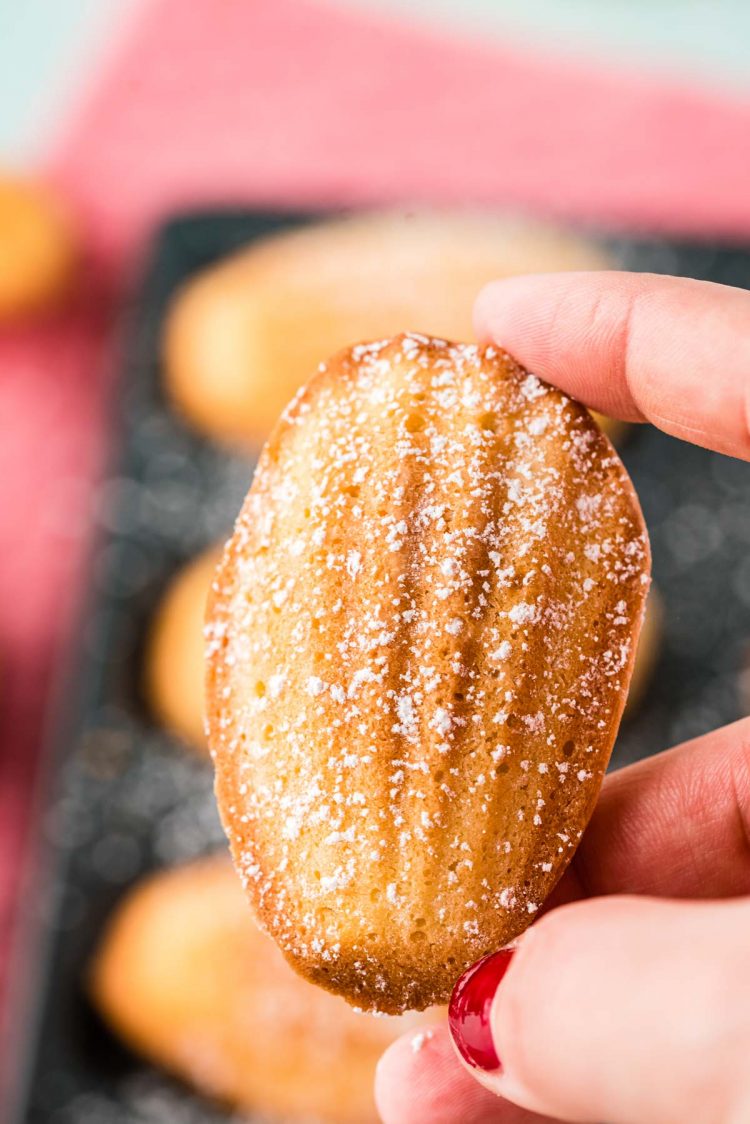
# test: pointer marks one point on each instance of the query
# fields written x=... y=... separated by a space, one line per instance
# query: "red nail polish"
x=469 y=1010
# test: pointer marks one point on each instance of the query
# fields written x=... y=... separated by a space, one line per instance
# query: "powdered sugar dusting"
x=453 y=637
x=419 y=1041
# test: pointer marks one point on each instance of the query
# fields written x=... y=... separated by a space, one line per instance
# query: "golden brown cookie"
x=184 y=975
x=420 y=641
x=174 y=663
x=615 y=429
x=647 y=652
x=245 y=334
x=37 y=249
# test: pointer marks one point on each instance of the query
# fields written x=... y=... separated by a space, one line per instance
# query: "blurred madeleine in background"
x=188 y=980
x=244 y=335
x=174 y=671
x=38 y=251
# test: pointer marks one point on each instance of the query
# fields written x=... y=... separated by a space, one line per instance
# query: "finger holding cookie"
x=647 y=973
x=622 y=1007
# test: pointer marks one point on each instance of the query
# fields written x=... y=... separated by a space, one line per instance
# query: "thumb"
x=619 y=1009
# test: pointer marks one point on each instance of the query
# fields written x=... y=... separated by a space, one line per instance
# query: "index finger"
x=637 y=346
x=676 y=825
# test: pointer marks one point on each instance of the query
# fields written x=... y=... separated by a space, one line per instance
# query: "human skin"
x=629 y=1000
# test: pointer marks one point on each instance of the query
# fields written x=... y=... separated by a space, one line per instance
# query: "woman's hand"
x=629 y=1000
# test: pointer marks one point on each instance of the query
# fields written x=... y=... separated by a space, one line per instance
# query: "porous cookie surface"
x=420 y=639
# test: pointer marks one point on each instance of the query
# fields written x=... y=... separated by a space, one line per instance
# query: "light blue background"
x=48 y=48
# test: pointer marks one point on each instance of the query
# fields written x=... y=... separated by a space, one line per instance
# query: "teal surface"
x=49 y=48
x=704 y=39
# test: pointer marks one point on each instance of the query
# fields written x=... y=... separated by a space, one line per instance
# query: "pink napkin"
x=295 y=102
x=300 y=104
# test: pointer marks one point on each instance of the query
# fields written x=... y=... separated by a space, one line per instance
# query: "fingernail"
x=469 y=1010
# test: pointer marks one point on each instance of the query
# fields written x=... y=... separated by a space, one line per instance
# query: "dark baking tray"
x=128 y=798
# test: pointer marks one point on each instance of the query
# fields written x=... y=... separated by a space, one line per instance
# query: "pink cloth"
x=292 y=103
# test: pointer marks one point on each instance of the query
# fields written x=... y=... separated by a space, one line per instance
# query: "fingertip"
x=408 y=1076
x=489 y=301
x=644 y=960
x=511 y=311
x=419 y=1080
x=634 y=346
x=390 y=1084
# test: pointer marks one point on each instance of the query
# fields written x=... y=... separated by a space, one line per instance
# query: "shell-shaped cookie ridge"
x=420 y=641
